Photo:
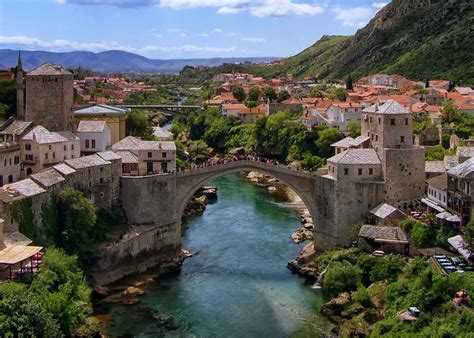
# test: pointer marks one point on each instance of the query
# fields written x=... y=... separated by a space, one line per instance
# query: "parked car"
x=378 y=253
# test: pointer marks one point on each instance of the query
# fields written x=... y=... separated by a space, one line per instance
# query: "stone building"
x=49 y=97
x=387 y=215
x=98 y=176
x=94 y=136
x=9 y=162
x=41 y=148
x=113 y=116
x=460 y=192
x=146 y=157
x=389 y=127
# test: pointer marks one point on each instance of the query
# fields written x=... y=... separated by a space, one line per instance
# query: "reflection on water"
x=237 y=284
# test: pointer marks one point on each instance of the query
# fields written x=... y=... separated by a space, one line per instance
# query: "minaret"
x=20 y=90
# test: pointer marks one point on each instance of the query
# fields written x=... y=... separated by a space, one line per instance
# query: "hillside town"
x=379 y=176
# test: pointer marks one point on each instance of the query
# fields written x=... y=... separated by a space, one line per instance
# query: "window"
x=346 y=171
x=27 y=146
x=72 y=146
x=87 y=144
x=406 y=122
x=392 y=122
x=371 y=171
x=164 y=154
x=65 y=148
x=402 y=139
x=17 y=159
x=54 y=155
x=93 y=144
x=380 y=120
x=376 y=137
x=50 y=147
x=10 y=161
x=360 y=171
x=150 y=154
x=46 y=156
x=101 y=180
x=5 y=162
x=10 y=178
x=29 y=157
x=370 y=119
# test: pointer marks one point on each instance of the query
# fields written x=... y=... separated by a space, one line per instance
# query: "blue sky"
x=170 y=29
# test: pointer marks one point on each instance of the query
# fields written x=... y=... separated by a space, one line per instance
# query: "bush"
x=340 y=277
x=362 y=297
x=386 y=268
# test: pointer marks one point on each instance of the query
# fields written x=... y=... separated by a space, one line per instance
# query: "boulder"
x=335 y=306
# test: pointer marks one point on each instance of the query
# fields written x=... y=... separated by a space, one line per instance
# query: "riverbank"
x=236 y=280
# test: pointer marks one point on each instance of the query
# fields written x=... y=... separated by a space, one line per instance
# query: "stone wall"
x=49 y=101
x=149 y=199
x=405 y=175
x=339 y=206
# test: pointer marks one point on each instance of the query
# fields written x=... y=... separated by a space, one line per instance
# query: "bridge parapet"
x=247 y=165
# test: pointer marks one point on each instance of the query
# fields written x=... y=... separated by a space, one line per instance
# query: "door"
x=149 y=167
x=164 y=167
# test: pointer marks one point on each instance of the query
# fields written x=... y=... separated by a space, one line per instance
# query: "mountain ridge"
x=416 y=38
x=113 y=61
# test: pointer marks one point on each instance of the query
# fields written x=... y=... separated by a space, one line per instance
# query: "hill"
x=419 y=39
x=113 y=61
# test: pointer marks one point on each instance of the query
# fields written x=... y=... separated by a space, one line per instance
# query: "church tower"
x=20 y=90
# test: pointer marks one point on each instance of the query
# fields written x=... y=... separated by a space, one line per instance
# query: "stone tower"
x=20 y=90
x=389 y=127
x=50 y=97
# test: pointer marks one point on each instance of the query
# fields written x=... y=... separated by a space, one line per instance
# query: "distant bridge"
x=172 y=109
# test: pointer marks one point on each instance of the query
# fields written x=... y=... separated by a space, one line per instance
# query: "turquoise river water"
x=236 y=284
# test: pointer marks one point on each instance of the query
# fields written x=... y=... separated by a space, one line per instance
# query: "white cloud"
x=354 y=17
x=252 y=39
x=259 y=8
x=379 y=5
x=217 y=30
x=67 y=45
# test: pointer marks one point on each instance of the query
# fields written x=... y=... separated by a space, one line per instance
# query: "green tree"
x=239 y=93
x=434 y=153
x=340 y=277
x=312 y=162
x=7 y=98
x=362 y=297
x=62 y=290
x=77 y=217
x=338 y=94
x=354 y=128
x=449 y=111
x=137 y=124
x=269 y=94
x=254 y=94
x=469 y=233
x=387 y=268
x=327 y=137
x=23 y=315
x=315 y=92
x=349 y=84
x=283 y=95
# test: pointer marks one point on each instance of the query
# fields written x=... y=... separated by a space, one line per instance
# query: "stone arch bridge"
x=334 y=205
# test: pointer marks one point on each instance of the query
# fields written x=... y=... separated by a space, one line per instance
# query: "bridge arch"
x=187 y=183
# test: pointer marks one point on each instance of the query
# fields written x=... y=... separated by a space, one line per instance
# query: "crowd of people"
x=212 y=162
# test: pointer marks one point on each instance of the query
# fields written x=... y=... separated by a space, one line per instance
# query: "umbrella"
x=444 y=215
x=454 y=219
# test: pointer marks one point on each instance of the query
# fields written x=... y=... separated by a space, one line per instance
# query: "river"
x=236 y=284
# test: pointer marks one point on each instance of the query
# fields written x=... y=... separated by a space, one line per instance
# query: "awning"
x=454 y=219
x=458 y=243
x=17 y=253
x=444 y=215
x=432 y=204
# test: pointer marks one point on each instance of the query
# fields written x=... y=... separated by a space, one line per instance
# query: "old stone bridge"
x=335 y=206
x=154 y=206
